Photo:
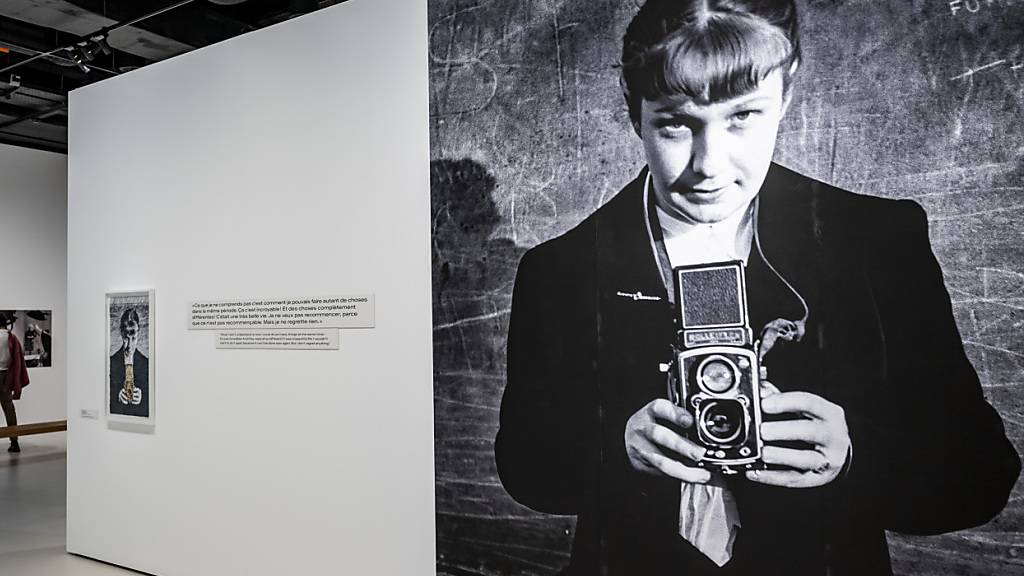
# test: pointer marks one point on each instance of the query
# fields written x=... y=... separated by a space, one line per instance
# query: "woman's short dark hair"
x=707 y=50
x=129 y=316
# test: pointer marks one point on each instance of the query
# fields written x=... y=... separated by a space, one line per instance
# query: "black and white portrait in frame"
x=34 y=328
x=130 y=358
x=861 y=162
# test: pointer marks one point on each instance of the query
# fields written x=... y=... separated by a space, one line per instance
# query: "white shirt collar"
x=690 y=242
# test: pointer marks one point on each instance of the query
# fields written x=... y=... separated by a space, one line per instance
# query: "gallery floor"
x=32 y=500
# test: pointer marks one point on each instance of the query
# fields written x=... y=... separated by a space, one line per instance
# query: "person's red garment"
x=17 y=372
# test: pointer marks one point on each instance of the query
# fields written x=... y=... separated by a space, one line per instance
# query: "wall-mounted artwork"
x=130 y=357
x=33 y=329
x=541 y=361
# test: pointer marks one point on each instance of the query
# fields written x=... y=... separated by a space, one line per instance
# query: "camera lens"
x=717 y=375
x=722 y=421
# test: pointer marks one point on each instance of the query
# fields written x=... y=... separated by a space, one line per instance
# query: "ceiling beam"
x=195 y=24
x=69 y=18
x=34 y=142
x=11 y=112
x=20 y=41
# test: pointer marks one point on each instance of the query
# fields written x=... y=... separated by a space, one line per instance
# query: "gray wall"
x=907 y=98
x=34 y=264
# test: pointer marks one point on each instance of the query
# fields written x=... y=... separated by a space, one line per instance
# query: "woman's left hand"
x=820 y=423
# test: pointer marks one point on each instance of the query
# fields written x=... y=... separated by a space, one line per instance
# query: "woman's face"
x=130 y=338
x=709 y=159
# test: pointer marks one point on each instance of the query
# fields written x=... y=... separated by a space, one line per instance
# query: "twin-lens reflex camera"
x=715 y=372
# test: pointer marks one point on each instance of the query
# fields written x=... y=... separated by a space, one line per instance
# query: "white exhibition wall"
x=292 y=161
x=33 y=264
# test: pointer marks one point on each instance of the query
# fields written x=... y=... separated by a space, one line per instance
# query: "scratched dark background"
x=899 y=98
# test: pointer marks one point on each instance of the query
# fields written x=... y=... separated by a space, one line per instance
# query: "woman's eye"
x=744 y=115
x=675 y=124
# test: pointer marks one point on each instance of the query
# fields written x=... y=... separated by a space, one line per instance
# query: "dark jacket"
x=929 y=453
x=141 y=371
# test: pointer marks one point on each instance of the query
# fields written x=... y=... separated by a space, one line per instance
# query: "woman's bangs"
x=727 y=57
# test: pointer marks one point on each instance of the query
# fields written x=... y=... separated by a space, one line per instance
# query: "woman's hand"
x=648 y=439
x=819 y=423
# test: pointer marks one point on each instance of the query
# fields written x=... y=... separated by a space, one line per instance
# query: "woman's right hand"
x=650 y=440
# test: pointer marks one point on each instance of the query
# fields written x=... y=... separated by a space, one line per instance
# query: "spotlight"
x=101 y=42
x=80 y=57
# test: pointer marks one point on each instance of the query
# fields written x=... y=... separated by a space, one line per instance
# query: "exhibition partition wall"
x=282 y=170
x=33 y=265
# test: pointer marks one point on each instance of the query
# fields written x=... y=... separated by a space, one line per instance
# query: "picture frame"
x=33 y=326
x=130 y=358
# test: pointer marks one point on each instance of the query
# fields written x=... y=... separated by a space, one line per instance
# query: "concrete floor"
x=33 y=497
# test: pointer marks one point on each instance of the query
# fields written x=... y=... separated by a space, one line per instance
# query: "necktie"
x=129 y=381
x=709 y=519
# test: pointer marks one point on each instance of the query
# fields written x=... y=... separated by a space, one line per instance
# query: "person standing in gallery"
x=876 y=419
x=13 y=372
x=129 y=371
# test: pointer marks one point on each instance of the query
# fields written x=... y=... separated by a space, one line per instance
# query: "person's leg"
x=7 y=403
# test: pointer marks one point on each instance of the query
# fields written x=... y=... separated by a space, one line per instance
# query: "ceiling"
x=49 y=47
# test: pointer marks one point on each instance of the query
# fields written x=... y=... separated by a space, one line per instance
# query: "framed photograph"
x=130 y=383
x=33 y=328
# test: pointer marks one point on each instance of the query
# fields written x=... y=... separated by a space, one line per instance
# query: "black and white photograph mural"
x=130 y=359
x=34 y=329
x=728 y=287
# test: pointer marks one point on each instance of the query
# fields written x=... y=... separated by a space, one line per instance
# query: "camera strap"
x=657 y=239
x=760 y=253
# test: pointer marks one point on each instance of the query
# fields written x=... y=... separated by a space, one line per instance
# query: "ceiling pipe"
x=134 y=21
